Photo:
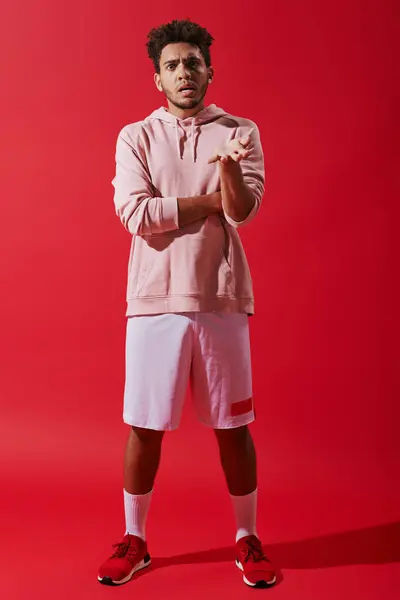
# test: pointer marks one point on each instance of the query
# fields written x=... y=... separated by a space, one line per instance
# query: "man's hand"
x=235 y=150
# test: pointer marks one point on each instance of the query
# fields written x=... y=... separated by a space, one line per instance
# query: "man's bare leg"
x=142 y=458
x=238 y=459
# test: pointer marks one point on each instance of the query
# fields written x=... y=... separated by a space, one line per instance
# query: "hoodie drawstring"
x=192 y=129
x=178 y=139
x=193 y=136
x=208 y=115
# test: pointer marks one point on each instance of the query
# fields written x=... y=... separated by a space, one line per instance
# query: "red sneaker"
x=258 y=571
x=130 y=556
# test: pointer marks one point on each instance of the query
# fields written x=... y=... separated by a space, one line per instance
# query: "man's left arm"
x=242 y=176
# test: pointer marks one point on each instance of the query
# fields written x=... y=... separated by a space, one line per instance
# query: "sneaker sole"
x=259 y=584
x=146 y=562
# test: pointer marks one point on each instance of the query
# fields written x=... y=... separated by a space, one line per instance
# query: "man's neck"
x=184 y=113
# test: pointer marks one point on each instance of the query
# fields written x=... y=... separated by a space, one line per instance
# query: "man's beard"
x=193 y=101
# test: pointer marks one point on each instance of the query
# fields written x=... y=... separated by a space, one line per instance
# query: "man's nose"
x=183 y=71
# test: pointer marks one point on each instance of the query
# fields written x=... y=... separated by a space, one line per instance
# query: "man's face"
x=183 y=75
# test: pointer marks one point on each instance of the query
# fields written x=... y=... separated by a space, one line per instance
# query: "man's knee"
x=147 y=436
x=233 y=435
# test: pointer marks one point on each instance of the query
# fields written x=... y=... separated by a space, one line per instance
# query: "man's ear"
x=157 y=81
x=210 y=71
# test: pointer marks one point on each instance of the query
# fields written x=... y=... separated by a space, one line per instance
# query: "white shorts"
x=164 y=352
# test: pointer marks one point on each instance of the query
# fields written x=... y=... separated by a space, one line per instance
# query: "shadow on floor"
x=369 y=546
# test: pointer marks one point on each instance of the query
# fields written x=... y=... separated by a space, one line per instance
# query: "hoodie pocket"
x=194 y=263
x=140 y=263
x=226 y=279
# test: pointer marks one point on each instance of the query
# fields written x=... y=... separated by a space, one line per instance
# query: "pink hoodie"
x=199 y=267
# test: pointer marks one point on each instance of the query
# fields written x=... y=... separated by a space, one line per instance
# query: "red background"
x=319 y=80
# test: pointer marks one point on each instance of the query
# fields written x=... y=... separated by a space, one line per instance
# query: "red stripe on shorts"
x=242 y=407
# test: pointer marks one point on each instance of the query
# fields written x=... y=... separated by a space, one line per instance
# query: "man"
x=186 y=178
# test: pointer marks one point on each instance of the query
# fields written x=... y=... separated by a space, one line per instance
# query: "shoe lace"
x=124 y=549
x=254 y=552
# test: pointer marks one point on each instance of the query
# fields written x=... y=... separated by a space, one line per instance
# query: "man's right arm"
x=198 y=207
x=139 y=211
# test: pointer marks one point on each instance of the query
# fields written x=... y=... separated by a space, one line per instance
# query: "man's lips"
x=188 y=93
x=188 y=87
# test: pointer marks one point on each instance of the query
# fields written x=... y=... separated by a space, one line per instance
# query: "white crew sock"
x=245 y=509
x=136 y=509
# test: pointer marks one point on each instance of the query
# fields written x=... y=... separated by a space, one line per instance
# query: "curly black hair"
x=178 y=31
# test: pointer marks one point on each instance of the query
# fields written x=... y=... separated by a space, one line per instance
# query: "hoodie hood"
x=207 y=115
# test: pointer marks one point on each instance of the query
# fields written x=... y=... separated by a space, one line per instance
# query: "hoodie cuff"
x=170 y=217
x=249 y=217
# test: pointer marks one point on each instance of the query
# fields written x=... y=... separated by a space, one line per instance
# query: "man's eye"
x=169 y=67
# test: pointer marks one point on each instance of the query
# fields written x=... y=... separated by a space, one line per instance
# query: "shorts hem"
x=132 y=423
x=230 y=425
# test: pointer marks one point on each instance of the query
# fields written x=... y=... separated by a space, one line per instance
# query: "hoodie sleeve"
x=253 y=170
x=139 y=211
